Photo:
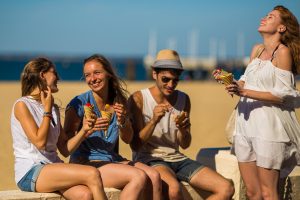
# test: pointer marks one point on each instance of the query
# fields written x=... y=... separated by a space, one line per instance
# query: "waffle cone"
x=88 y=111
x=226 y=78
x=107 y=115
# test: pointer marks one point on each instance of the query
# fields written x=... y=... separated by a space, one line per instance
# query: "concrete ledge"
x=19 y=195
x=112 y=194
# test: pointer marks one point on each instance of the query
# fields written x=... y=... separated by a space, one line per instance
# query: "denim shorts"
x=184 y=169
x=27 y=183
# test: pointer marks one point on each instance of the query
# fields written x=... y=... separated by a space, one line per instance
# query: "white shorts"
x=266 y=154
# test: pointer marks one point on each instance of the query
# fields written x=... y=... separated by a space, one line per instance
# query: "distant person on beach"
x=266 y=136
x=107 y=94
x=160 y=119
x=37 y=134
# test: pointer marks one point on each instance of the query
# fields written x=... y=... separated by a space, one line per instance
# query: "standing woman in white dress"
x=37 y=134
x=267 y=133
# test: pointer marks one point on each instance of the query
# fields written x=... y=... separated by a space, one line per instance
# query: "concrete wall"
x=111 y=193
x=219 y=159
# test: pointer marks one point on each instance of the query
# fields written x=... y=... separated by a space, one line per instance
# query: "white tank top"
x=26 y=154
x=163 y=144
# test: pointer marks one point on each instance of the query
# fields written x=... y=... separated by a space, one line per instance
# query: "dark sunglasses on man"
x=165 y=79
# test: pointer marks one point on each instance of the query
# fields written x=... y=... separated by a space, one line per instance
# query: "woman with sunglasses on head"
x=37 y=134
x=99 y=148
x=266 y=135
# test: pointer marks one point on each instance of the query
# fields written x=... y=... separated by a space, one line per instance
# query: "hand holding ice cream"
x=89 y=118
x=89 y=111
x=181 y=120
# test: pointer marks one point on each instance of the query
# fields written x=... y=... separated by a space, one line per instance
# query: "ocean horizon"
x=70 y=68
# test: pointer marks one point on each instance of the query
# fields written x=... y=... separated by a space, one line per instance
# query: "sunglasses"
x=165 y=79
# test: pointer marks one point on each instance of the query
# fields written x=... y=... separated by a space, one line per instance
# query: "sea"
x=70 y=68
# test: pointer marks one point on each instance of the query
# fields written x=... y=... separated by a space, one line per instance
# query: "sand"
x=211 y=107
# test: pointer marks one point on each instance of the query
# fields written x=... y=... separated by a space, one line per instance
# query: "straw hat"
x=167 y=59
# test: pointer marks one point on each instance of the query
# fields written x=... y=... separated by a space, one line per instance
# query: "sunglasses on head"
x=165 y=79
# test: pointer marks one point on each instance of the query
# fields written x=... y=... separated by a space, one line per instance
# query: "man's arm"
x=184 y=134
x=143 y=131
x=135 y=105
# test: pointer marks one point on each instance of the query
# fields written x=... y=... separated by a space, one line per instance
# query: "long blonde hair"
x=290 y=37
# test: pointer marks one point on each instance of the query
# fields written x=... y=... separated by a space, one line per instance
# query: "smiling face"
x=271 y=23
x=95 y=76
x=166 y=81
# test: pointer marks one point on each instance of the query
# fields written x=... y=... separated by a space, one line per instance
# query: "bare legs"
x=169 y=179
x=261 y=183
x=209 y=180
x=155 y=182
x=205 y=179
x=81 y=192
x=63 y=177
x=131 y=180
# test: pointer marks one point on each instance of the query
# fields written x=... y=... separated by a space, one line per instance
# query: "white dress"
x=265 y=121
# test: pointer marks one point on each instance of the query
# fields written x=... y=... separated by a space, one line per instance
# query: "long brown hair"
x=117 y=91
x=30 y=77
x=290 y=37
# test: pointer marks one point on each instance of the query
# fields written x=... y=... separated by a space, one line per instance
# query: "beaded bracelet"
x=47 y=114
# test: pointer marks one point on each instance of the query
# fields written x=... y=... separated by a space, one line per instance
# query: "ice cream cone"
x=226 y=78
x=223 y=76
x=88 y=110
x=107 y=114
x=179 y=118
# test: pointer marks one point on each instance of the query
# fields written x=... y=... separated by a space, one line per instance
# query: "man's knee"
x=227 y=189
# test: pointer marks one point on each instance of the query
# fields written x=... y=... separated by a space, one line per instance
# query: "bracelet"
x=47 y=114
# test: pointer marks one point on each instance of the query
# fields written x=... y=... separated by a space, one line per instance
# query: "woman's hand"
x=101 y=124
x=47 y=99
x=120 y=112
x=87 y=126
x=236 y=88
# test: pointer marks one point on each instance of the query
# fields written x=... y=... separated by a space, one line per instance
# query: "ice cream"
x=223 y=76
x=180 y=117
x=88 y=110
x=107 y=113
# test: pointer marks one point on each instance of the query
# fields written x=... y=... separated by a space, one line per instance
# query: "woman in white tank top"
x=37 y=134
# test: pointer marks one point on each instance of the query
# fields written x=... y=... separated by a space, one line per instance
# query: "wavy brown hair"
x=117 y=91
x=30 y=77
x=290 y=37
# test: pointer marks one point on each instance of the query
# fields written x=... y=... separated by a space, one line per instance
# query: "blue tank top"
x=97 y=146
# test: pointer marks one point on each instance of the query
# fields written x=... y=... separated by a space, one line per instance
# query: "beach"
x=211 y=108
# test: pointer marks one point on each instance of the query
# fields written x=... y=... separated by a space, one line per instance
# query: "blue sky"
x=123 y=28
